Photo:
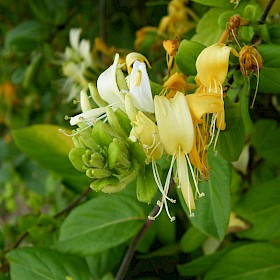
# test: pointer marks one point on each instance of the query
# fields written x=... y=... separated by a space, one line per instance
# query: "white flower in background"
x=77 y=60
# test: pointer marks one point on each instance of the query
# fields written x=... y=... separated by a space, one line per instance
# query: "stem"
x=262 y=19
x=129 y=254
x=68 y=208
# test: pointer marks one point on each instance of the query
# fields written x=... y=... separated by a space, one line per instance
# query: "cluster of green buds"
x=104 y=150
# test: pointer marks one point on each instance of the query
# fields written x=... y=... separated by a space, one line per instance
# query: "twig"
x=262 y=19
x=129 y=254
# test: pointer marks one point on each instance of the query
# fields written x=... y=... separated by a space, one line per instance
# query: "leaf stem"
x=130 y=252
x=262 y=19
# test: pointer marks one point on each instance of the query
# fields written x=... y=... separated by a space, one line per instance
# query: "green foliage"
x=72 y=207
x=212 y=213
x=100 y=224
x=42 y=263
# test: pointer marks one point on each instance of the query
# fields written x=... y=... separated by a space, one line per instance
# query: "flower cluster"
x=126 y=127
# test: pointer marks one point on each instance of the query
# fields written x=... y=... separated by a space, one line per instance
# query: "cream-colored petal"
x=174 y=123
x=147 y=133
x=88 y=116
x=204 y=103
x=140 y=88
x=132 y=57
x=212 y=65
x=107 y=86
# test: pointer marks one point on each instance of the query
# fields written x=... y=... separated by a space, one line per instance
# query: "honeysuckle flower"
x=132 y=57
x=146 y=131
x=88 y=116
x=212 y=67
x=108 y=86
x=176 y=134
x=140 y=89
x=77 y=60
x=175 y=83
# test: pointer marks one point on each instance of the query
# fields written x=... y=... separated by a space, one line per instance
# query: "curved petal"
x=175 y=124
x=212 y=65
x=140 y=88
x=88 y=116
x=107 y=85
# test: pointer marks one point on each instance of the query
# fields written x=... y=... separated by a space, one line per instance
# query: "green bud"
x=103 y=134
x=99 y=184
x=75 y=156
x=114 y=122
x=124 y=179
x=124 y=121
x=84 y=101
x=118 y=155
x=95 y=96
x=130 y=108
x=121 y=82
x=85 y=159
x=97 y=160
x=97 y=173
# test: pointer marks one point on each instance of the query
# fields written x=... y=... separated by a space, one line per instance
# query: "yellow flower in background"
x=176 y=133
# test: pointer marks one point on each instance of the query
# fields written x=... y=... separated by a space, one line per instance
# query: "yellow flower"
x=146 y=131
x=212 y=67
x=176 y=133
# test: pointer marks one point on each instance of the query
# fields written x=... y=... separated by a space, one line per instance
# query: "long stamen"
x=158 y=182
x=75 y=133
x=200 y=194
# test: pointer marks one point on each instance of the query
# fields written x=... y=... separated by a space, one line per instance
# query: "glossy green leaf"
x=100 y=224
x=212 y=211
x=208 y=31
x=265 y=140
x=231 y=140
x=255 y=261
x=186 y=56
x=146 y=185
x=260 y=207
x=41 y=263
x=270 y=73
x=50 y=148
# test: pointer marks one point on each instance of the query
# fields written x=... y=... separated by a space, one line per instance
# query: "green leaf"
x=146 y=185
x=261 y=208
x=100 y=224
x=186 y=56
x=192 y=239
x=212 y=211
x=208 y=31
x=265 y=140
x=215 y=3
x=253 y=261
x=41 y=263
x=274 y=33
x=201 y=265
x=25 y=36
x=50 y=148
x=270 y=73
x=231 y=140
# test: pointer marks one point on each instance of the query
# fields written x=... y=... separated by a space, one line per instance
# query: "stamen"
x=158 y=182
x=200 y=194
x=75 y=133
x=257 y=85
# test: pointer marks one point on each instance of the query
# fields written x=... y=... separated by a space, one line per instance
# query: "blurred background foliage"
x=34 y=36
